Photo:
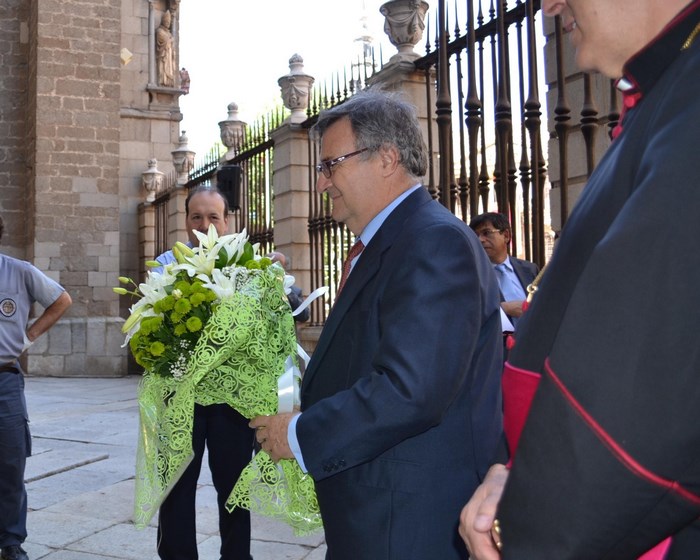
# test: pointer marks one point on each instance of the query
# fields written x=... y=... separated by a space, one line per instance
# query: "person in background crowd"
x=514 y=274
x=21 y=284
x=218 y=427
x=608 y=462
x=213 y=209
x=400 y=404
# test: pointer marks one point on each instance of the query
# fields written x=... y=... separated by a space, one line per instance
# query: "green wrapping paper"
x=238 y=361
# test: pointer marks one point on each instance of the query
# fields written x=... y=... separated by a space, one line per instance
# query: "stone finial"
x=295 y=88
x=152 y=180
x=404 y=24
x=183 y=159
x=231 y=131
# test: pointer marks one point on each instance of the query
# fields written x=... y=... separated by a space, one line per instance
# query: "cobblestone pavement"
x=80 y=480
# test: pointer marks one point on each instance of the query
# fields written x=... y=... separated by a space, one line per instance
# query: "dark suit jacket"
x=401 y=400
x=524 y=270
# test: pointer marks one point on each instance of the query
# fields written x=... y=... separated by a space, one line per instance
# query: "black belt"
x=7 y=368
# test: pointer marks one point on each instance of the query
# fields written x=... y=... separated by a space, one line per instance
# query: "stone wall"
x=74 y=85
x=14 y=55
x=78 y=124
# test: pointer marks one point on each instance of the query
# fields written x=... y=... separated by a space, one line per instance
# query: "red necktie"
x=355 y=250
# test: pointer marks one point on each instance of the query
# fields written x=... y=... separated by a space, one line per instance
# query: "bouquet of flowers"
x=215 y=327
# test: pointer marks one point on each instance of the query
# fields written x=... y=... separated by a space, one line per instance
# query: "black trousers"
x=229 y=441
x=15 y=447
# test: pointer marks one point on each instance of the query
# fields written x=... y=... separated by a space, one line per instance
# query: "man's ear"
x=389 y=156
x=507 y=235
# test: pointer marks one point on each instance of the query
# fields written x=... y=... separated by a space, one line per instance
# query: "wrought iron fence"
x=491 y=156
x=488 y=58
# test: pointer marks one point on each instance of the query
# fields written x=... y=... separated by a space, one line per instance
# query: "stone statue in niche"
x=165 y=51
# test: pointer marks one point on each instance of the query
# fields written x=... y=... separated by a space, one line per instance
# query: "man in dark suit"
x=514 y=274
x=401 y=400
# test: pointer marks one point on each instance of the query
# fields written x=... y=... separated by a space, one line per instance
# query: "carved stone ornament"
x=152 y=180
x=295 y=88
x=404 y=24
x=231 y=131
x=183 y=159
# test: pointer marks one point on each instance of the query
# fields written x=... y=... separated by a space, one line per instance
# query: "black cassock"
x=609 y=461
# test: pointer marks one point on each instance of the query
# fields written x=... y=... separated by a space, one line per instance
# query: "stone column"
x=177 y=228
x=291 y=172
x=292 y=184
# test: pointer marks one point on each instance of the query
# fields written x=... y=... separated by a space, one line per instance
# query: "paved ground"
x=80 y=481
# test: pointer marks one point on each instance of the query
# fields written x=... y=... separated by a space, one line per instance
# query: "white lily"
x=222 y=285
x=233 y=245
x=209 y=240
x=288 y=281
x=201 y=262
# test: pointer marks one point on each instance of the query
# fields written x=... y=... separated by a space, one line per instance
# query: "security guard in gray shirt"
x=21 y=284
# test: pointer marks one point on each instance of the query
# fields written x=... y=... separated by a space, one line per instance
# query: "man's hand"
x=513 y=308
x=271 y=433
x=476 y=520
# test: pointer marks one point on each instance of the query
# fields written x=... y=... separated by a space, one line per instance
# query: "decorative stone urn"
x=231 y=131
x=295 y=88
x=152 y=180
x=404 y=24
x=183 y=159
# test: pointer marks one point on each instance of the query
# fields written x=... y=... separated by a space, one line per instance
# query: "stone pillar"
x=177 y=228
x=147 y=236
x=291 y=172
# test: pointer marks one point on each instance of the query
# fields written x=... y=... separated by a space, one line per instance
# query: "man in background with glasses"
x=514 y=274
x=400 y=404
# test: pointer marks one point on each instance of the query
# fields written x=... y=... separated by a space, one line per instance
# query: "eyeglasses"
x=326 y=167
x=488 y=232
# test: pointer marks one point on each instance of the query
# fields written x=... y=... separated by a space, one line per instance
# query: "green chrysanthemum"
x=198 y=299
x=183 y=306
x=194 y=324
x=157 y=348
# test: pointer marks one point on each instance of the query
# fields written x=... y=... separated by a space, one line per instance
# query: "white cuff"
x=27 y=343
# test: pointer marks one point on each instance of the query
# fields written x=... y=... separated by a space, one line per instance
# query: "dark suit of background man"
x=514 y=274
x=401 y=400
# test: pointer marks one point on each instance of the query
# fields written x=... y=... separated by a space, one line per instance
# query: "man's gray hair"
x=380 y=118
